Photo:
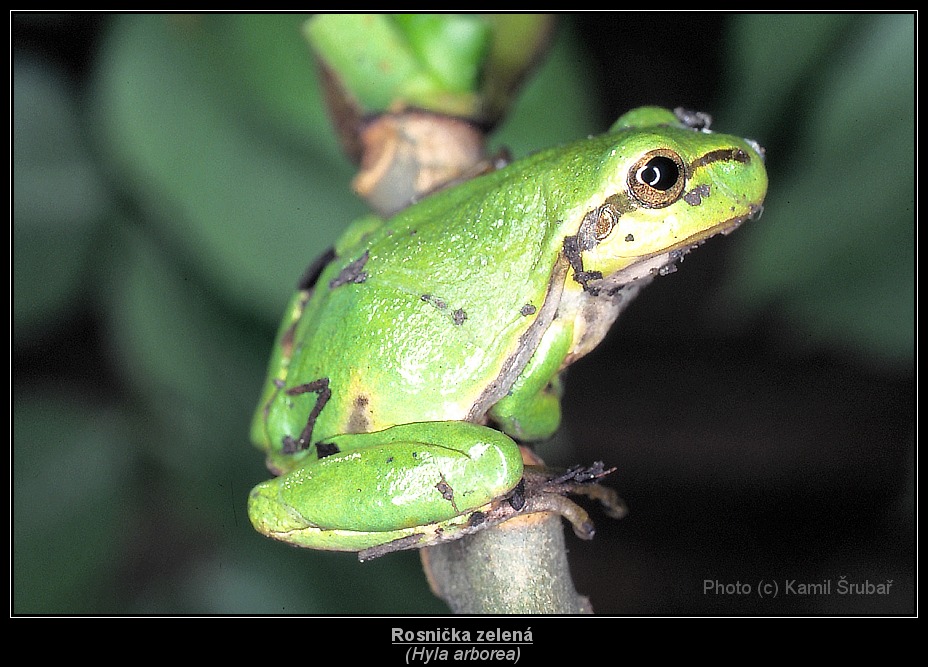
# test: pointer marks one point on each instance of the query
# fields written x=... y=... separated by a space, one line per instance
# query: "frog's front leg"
x=531 y=410
x=411 y=481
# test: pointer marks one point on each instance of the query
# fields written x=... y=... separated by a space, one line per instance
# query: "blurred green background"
x=173 y=175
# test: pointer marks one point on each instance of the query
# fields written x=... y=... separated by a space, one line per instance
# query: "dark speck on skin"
x=445 y=490
x=324 y=449
x=351 y=273
x=438 y=302
x=476 y=518
x=694 y=197
x=359 y=419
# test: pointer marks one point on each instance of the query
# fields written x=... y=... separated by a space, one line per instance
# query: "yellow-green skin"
x=407 y=370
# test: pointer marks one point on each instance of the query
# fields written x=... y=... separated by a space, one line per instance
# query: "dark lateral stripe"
x=721 y=155
x=315 y=269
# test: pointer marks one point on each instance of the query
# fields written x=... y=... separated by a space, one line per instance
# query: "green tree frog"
x=421 y=351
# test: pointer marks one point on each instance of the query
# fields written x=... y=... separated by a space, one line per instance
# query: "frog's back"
x=418 y=319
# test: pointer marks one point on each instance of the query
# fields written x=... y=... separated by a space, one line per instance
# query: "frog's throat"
x=528 y=342
x=594 y=305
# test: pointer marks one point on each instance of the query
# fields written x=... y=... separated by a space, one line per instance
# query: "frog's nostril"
x=758 y=149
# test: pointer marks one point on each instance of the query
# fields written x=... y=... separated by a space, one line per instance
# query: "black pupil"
x=660 y=173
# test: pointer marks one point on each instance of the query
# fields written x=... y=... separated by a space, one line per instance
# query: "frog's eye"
x=657 y=179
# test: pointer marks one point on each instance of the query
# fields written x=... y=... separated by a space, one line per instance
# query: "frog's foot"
x=546 y=491
x=540 y=490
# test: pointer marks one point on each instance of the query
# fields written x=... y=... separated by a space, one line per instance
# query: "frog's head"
x=667 y=184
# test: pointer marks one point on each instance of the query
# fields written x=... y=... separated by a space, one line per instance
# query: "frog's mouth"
x=664 y=261
x=725 y=227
